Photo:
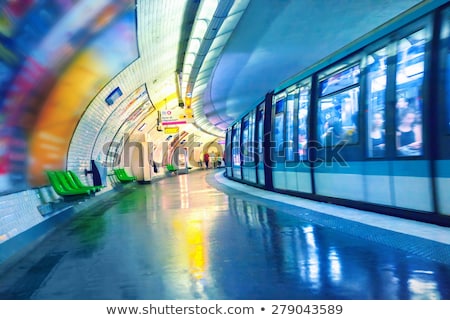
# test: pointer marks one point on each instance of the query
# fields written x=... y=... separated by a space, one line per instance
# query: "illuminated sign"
x=170 y=117
x=171 y=130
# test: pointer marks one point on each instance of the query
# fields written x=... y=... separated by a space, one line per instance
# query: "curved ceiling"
x=277 y=39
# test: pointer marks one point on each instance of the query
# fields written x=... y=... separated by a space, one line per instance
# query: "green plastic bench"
x=68 y=183
x=60 y=188
x=123 y=176
x=76 y=180
x=171 y=168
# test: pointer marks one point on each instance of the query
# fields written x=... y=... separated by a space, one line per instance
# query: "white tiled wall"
x=19 y=212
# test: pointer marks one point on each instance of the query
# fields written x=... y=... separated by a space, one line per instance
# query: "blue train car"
x=368 y=127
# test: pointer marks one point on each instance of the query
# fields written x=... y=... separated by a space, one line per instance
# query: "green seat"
x=123 y=176
x=60 y=187
x=68 y=184
x=126 y=176
x=77 y=182
x=171 y=168
x=74 y=185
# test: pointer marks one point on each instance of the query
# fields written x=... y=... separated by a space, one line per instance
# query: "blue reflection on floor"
x=181 y=238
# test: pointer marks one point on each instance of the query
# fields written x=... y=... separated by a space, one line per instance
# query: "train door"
x=278 y=138
x=248 y=148
x=292 y=171
x=378 y=167
x=302 y=132
x=411 y=170
x=259 y=145
x=339 y=166
x=228 y=153
x=236 y=151
x=442 y=132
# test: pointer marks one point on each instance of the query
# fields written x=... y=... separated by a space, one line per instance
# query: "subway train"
x=368 y=127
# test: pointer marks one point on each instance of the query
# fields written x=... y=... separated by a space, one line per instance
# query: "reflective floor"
x=181 y=238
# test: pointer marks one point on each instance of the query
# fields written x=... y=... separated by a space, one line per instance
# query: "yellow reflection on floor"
x=191 y=235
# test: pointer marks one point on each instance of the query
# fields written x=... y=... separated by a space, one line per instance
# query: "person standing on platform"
x=206 y=159
x=213 y=160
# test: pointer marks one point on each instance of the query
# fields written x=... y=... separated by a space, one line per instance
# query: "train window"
x=376 y=102
x=278 y=133
x=338 y=108
x=227 y=153
x=340 y=80
x=260 y=130
x=245 y=140
x=409 y=81
x=236 y=148
x=446 y=37
x=303 y=107
x=251 y=147
x=248 y=138
x=289 y=141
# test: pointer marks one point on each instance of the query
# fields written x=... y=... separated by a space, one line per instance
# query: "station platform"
x=202 y=236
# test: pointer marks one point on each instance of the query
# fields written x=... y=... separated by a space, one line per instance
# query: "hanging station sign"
x=172 y=118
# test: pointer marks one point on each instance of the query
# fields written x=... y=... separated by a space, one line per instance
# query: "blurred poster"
x=55 y=56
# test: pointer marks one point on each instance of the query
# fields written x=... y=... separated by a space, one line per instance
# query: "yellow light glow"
x=168 y=100
x=192 y=244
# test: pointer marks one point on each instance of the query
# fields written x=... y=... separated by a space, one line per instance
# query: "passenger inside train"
x=409 y=139
x=377 y=135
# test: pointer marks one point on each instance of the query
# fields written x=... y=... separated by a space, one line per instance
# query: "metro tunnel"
x=224 y=149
